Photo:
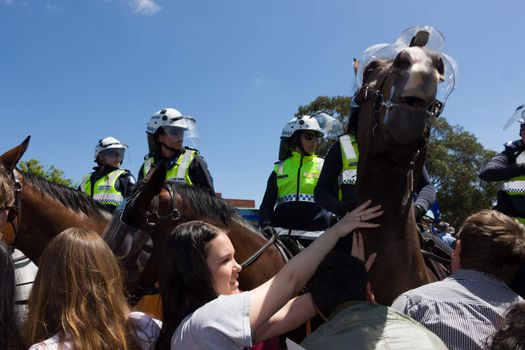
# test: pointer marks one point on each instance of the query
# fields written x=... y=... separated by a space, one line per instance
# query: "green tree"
x=454 y=160
x=338 y=107
x=50 y=173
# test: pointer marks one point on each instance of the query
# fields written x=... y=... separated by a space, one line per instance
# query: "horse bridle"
x=14 y=208
x=378 y=104
x=153 y=218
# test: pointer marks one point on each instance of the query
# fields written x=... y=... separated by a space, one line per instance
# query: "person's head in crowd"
x=9 y=335
x=78 y=295
x=200 y=267
x=444 y=226
x=339 y=278
x=511 y=334
x=490 y=242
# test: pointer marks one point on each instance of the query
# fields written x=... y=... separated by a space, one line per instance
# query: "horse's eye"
x=439 y=65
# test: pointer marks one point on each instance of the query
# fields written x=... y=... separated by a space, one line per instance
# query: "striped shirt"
x=463 y=309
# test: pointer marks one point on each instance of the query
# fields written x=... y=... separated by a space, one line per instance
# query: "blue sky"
x=72 y=72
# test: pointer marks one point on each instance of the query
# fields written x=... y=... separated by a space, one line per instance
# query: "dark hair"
x=511 y=334
x=339 y=278
x=186 y=282
x=493 y=243
x=10 y=337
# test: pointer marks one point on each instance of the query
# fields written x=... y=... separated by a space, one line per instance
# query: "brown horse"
x=395 y=107
x=43 y=209
x=157 y=208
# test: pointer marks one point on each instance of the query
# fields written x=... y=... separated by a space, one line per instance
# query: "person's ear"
x=370 y=294
x=455 y=260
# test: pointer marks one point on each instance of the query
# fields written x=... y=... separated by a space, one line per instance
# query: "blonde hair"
x=492 y=242
x=78 y=294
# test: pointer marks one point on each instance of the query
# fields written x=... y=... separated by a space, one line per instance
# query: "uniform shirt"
x=197 y=171
x=503 y=167
x=297 y=215
x=463 y=309
x=326 y=192
x=125 y=183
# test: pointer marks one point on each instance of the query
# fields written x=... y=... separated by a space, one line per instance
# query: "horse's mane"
x=68 y=196
x=206 y=205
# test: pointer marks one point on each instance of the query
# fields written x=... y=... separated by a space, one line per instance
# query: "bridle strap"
x=258 y=253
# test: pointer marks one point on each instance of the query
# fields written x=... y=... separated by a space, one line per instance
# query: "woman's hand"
x=358 y=250
x=357 y=218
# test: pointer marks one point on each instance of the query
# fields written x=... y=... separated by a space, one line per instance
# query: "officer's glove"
x=268 y=231
x=514 y=147
x=419 y=211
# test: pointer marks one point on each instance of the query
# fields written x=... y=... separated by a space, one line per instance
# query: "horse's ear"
x=420 y=39
x=155 y=180
x=10 y=158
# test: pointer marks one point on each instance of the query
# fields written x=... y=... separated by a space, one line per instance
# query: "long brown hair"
x=78 y=295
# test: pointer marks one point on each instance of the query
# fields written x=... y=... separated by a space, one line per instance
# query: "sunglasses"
x=309 y=136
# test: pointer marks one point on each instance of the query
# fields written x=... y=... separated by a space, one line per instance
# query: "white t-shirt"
x=223 y=323
x=148 y=330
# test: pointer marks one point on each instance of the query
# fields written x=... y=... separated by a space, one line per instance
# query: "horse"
x=43 y=209
x=158 y=207
x=394 y=107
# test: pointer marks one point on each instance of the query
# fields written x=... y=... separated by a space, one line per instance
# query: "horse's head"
x=10 y=186
x=398 y=97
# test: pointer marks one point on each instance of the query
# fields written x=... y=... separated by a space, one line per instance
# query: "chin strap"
x=168 y=147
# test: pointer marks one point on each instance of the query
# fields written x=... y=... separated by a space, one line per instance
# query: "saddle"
x=436 y=253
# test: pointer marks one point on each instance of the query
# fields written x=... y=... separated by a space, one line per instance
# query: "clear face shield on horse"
x=422 y=36
x=186 y=130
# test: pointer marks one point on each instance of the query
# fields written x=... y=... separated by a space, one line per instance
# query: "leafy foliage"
x=52 y=173
x=454 y=160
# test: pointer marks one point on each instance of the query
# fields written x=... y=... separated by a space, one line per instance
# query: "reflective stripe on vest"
x=104 y=190
x=295 y=181
x=179 y=172
x=350 y=157
x=516 y=185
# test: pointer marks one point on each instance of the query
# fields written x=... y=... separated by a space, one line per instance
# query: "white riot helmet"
x=171 y=121
x=301 y=123
x=110 y=143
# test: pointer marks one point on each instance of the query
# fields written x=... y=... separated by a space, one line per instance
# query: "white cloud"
x=51 y=7
x=8 y=2
x=257 y=80
x=145 y=7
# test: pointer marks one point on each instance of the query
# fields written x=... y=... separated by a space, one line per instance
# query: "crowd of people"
x=203 y=308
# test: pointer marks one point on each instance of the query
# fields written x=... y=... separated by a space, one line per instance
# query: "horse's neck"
x=41 y=217
x=396 y=241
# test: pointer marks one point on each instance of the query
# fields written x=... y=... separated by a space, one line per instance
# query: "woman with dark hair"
x=202 y=305
x=77 y=301
x=9 y=335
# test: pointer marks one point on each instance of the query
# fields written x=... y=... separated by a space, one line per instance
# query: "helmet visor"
x=113 y=153
x=330 y=126
x=187 y=132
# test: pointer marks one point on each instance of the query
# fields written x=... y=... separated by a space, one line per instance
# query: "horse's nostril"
x=403 y=60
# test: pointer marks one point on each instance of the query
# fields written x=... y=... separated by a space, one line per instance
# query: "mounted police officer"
x=509 y=166
x=288 y=204
x=108 y=184
x=167 y=129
